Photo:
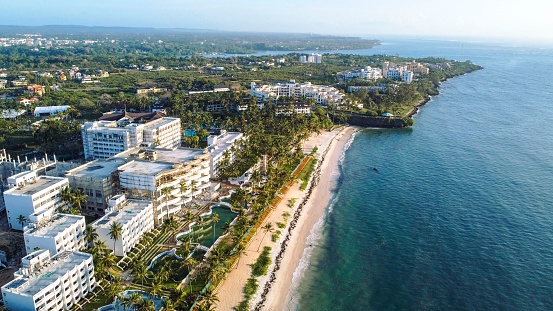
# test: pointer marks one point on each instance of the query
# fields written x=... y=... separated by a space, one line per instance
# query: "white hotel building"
x=105 y=139
x=217 y=146
x=367 y=73
x=62 y=232
x=45 y=283
x=136 y=217
x=322 y=95
x=151 y=170
x=30 y=194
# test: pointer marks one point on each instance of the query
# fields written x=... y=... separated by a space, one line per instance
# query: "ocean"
x=459 y=215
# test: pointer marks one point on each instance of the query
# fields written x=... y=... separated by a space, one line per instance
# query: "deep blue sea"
x=460 y=214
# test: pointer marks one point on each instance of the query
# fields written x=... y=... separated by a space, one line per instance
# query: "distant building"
x=322 y=95
x=313 y=58
x=61 y=232
x=50 y=283
x=367 y=73
x=135 y=217
x=287 y=108
x=47 y=111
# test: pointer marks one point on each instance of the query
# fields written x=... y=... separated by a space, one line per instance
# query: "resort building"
x=31 y=194
x=62 y=232
x=219 y=143
x=367 y=73
x=184 y=172
x=99 y=181
x=135 y=217
x=288 y=108
x=50 y=283
x=313 y=58
x=322 y=95
x=105 y=139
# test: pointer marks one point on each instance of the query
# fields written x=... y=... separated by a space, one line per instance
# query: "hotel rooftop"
x=48 y=274
x=97 y=169
x=36 y=186
x=166 y=160
x=57 y=224
x=126 y=213
x=224 y=142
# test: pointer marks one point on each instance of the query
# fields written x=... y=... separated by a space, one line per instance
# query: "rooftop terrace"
x=53 y=270
x=129 y=209
x=41 y=183
x=57 y=224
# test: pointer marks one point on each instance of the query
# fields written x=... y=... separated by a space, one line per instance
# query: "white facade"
x=62 y=232
x=313 y=58
x=136 y=217
x=322 y=95
x=38 y=195
x=150 y=171
x=105 y=139
x=217 y=146
x=367 y=73
x=49 y=110
x=45 y=283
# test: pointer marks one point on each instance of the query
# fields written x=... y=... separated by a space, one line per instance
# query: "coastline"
x=309 y=208
x=276 y=287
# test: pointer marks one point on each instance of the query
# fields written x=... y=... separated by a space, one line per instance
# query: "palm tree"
x=115 y=231
x=239 y=251
x=90 y=235
x=193 y=186
x=66 y=196
x=156 y=285
x=166 y=192
x=189 y=263
x=114 y=288
x=214 y=220
x=267 y=228
x=141 y=272
x=186 y=247
x=167 y=305
x=183 y=189
x=208 y=299
x=21 y=219
x=78 y=199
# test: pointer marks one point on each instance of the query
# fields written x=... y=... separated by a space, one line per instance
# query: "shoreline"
x=311 y=212
x=230 y=292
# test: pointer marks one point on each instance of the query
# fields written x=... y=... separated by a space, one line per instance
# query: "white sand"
x=230 y=292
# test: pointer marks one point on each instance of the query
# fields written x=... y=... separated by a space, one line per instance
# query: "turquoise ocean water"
x=460 y=214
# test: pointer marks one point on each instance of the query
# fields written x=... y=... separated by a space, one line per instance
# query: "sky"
x=527 y=20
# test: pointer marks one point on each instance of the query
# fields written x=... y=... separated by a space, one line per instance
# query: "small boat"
x=375 y=169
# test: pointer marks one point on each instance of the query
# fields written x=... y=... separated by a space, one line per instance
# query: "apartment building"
x=31 y=194
x=287 y=108
x=105 y=139
x=61 y=232
x=219 y=143
x=149 y=171
x=135 y=217
x=322 y=95
x=50 y=283
x=367 y=73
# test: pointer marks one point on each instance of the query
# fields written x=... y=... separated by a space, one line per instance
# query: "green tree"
x=115 y=231
x=214 y=220
x=268 y=227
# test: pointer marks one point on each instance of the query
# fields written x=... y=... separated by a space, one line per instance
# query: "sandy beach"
x=275 y=286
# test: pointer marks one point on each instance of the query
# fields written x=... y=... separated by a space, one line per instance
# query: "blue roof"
x=387 y=114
